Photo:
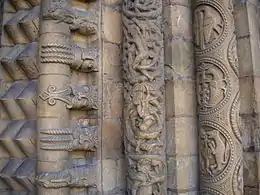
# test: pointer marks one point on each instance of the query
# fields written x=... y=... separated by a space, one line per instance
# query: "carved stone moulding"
x=232 y=55
x=81 y=175
x=24 y=4
x=211 y=25
x=28 y=60
x=78 y=138
x=213 y=84
x=20 y=4
x=235 y=118
x=82 y=97
x=10 y=64
x=19 y=100
x=21 y=63
x=56 y=53
x=30 y=24
x=18 y=174
x=23 y=27
x=237 y=180
x=18 y=138
x=84 y=22
x=83 y=60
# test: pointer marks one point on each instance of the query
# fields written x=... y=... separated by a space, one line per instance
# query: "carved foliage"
x=75 y=96
x=144 y=99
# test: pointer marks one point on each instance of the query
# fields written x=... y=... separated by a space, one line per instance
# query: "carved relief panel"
x=218 y=98
x=144 y=97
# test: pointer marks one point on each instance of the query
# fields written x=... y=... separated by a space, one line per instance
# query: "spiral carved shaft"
x=218 y=98
x=144 y=98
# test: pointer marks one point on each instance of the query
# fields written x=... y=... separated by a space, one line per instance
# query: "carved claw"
x=54 y=179
x=81 y=138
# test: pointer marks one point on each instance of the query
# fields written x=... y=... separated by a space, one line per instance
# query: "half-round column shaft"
x=54 y=77
x=144 y=97
x=218 y=98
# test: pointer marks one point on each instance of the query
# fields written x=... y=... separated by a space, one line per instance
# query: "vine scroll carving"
x=218 y=98
x=144 y=98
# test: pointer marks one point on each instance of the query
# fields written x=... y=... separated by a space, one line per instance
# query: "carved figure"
x=145 y=175
x=214 y=151
x=212 y=86
x=143 y=51
x=145 y=115
x=75 y=96
x=80 y=138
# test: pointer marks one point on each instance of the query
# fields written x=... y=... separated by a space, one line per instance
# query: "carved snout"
x=81 y=138
x=85 y=60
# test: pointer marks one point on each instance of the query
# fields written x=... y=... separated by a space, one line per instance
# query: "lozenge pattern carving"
x=218 y=95
x=144 y=98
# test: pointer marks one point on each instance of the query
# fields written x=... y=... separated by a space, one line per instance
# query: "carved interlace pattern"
x=218 y=95
x=144 y=98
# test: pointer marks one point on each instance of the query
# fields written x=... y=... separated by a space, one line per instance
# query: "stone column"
x=218 y=98
x=54 y=77
x=144 y=97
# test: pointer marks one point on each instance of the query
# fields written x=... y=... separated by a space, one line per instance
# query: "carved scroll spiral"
x=144 y=98
x=75 y=96
x=218 y=95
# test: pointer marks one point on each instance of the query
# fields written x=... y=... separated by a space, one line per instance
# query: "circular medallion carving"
x=210 y=26
x=235 y=119
x=216 y=152
x=237 y=181
x=213 y=84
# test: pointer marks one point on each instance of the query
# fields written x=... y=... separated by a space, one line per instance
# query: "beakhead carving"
x=79 y=138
